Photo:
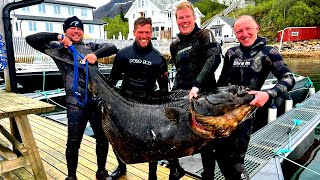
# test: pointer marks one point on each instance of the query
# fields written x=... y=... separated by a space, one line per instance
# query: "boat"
x=43 y=76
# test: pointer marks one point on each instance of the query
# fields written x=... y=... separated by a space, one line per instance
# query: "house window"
x=26 y=9
x=142 y=14
x=56 y=9
x=133 y=16
x=152 y=12
x=49 y=27
x=70 y=11
x=17 y=26
x=32 y=26
x=218 y=21
x=91 y=29
x=294 y=33
x=84 y=12
x=141 y=3
x=41 y=8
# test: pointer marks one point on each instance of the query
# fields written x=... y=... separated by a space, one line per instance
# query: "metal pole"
x=4 y=52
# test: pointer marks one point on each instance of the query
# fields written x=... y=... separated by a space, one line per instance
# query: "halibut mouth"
x=217 y=116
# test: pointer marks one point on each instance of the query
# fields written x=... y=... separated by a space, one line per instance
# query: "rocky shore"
x=302 y=49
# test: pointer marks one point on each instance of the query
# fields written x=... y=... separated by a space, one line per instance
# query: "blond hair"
x=185 y=5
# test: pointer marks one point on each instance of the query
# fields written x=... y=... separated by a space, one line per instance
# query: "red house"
x=299 y=33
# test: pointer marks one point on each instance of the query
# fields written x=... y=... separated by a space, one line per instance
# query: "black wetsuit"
x=196 y=57
x=140 y=69
x=247 y=66
x=78 y=115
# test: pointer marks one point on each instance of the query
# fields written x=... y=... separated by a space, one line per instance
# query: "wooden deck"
x=51 y=139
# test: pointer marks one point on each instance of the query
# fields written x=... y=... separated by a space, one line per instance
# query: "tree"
x=301 y=15
x=115 y=26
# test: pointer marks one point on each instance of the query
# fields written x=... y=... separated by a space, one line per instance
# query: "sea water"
x=306 y=67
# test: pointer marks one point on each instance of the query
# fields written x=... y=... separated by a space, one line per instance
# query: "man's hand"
x=92 y=58
x=193 y=93
x=65 y=41
x=260 y=99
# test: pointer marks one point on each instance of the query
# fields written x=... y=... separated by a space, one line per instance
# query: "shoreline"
x=301 y=49
x=301 y=54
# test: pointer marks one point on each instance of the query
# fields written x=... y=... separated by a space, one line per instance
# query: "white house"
x=222 y=28
x=50 y=15
x=162 y=15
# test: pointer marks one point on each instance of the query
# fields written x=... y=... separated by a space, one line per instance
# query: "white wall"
x=159 y=19
x=49 y=12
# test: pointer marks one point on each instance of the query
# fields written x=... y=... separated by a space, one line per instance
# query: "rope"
x=296 y=122
x=76 y=74
x=3 y=63
x=298 y=164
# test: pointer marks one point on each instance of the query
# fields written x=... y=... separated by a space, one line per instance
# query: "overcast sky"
x=94 y=3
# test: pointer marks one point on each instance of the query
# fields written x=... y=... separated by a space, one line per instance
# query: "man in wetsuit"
x=77 y=113
x=248 y=65
x=195 y=54
x=139 y=66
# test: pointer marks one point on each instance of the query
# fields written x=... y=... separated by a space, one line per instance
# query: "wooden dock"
x=51 y=139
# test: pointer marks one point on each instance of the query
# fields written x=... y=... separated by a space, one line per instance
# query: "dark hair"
x=142 y=21
x=73 y=21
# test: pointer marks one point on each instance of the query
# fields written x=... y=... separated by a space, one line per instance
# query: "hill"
x=114 y=7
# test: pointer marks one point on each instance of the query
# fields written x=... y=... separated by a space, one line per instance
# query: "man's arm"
x=285 y=80
x=117 y=69
x=213 y=59
x=282 y=73
x=41 y=41
x=100 y=51
x=223 y=79
x=163 y=77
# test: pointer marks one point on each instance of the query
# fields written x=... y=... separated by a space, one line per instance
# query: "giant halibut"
x=163 y=126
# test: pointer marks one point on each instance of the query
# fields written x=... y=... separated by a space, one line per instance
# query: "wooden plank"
x=6 y=166
x=14 y=105
x=11 y=110
x=9 y=176
x=23 y=173
x=7 y=153
x=140 y=170
x=16 y=144
x=30 y=144
x=51 y=139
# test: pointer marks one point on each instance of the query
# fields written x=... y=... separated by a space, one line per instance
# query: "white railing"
x=26 y=54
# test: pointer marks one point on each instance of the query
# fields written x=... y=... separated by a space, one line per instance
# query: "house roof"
x=228 y=20
x=68 y=3
x=51 y=19
x=161 y=4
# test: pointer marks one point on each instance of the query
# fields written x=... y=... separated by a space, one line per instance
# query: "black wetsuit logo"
x=241 y=63
x=140 y=61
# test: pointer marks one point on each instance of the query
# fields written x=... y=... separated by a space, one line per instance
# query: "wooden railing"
x=26 y=54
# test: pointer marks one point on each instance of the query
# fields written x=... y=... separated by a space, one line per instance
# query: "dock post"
x=288 y=104
x=312 y=90
x=272 y=112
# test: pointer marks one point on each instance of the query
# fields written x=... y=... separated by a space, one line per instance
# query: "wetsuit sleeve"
x=117 y=69
x=103 y=50
x=173 y=59
x=223 y=79
x=163 y=77
x=212 y=53
x=42 y=41
x=281 y=72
